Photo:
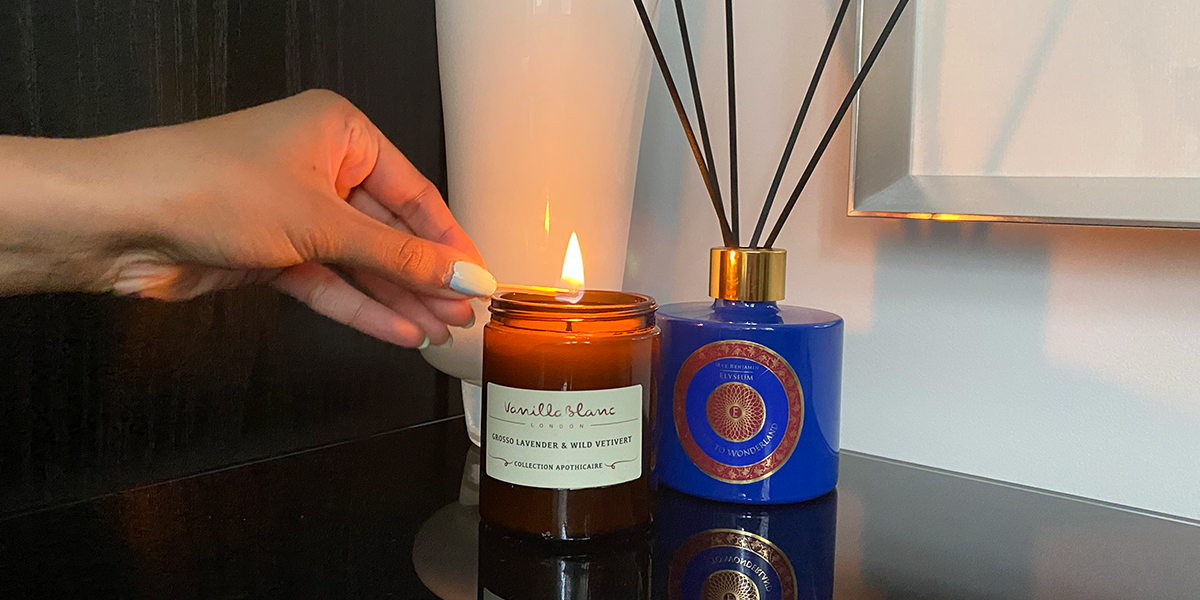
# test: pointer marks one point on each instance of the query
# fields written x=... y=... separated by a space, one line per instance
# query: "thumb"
x=413 y=262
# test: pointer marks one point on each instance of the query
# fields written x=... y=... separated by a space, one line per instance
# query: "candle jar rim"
x=593 y=305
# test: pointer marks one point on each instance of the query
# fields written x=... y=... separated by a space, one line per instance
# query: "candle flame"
x=572 y=272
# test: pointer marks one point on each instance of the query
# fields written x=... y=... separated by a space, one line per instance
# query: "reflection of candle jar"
x=706 y=549
x=568 y=393
x=609 y=568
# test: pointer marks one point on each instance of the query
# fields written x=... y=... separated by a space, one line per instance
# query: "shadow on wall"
x=662 y=170
x=657 y=198
x=1028 y=83
x=957 y=359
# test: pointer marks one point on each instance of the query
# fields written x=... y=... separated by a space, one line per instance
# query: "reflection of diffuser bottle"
x=518 y=568
x=706 y=549
x=751 y=392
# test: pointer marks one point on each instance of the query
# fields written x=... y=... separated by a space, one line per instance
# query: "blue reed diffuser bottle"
x=751 y=391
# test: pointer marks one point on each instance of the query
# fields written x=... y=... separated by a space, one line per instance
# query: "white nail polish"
x=471 y=279
x=446 y=345
x=424 y=343
x=470 y=323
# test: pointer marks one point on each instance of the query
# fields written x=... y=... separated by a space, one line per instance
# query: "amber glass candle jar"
x=568 y=402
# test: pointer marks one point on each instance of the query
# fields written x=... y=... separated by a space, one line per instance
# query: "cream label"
x=564 y=440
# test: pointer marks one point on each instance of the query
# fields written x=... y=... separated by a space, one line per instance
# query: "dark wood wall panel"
x=103 y=393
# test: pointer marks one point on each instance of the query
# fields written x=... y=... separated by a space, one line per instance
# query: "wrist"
x=70 y=210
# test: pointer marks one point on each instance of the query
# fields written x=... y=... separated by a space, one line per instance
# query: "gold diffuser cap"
x=747 y=274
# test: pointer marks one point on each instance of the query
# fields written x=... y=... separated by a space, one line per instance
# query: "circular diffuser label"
x=730 y=564
x=738 y=410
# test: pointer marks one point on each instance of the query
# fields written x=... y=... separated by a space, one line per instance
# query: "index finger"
x=401 y=188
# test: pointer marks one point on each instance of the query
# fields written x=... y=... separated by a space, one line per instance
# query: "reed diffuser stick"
x=837 y=120
x=726 y=233
x=733 y=163
x=791 y=143
x=700 y=120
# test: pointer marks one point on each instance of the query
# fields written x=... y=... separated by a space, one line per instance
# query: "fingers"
x=418 y=264
x=405 y=303
x=450 y=312
x=329 y=295
x=397 y=185
x=447 y=310
x=365 y=204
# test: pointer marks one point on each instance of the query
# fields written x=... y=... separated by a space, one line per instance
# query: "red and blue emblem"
x=738 y=410
x=730 y=564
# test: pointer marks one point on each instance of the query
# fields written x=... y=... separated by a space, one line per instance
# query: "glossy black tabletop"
x=392 y=516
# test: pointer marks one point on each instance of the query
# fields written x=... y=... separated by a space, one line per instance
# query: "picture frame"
x=966 y=115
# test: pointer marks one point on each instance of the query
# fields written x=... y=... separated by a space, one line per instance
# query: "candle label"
x=738 y=410
x=730 y=563
x=564 y=440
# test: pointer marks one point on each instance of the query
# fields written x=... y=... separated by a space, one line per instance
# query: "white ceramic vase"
x=543 y=103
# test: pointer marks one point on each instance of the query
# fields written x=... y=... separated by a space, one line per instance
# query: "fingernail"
x=470 y=323
x=424 y=343
x=471 y=279
x=446 y=344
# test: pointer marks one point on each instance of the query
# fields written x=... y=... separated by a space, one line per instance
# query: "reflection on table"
x=702 y=550
x=713 y=551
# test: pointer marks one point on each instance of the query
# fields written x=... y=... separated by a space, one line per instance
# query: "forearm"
x=277 y=193
x=69 y=209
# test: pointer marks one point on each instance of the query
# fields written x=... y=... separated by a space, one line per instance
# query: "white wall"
x=1065 y=358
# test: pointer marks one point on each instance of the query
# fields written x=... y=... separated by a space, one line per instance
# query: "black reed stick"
x=726 y=234
x=791 y=143
x=837 y=120
x=733 y=167
x=700 y=121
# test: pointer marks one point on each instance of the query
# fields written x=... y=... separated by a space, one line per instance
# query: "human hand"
x=304 y=193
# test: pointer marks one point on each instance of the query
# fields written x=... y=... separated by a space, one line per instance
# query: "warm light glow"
x=947 y=217
x=547 y=217
x=572 y=271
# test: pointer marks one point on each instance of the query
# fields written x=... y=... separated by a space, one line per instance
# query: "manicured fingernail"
x=471 y=279
x=424 y=343
x=470 y=323
x=446 y=344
